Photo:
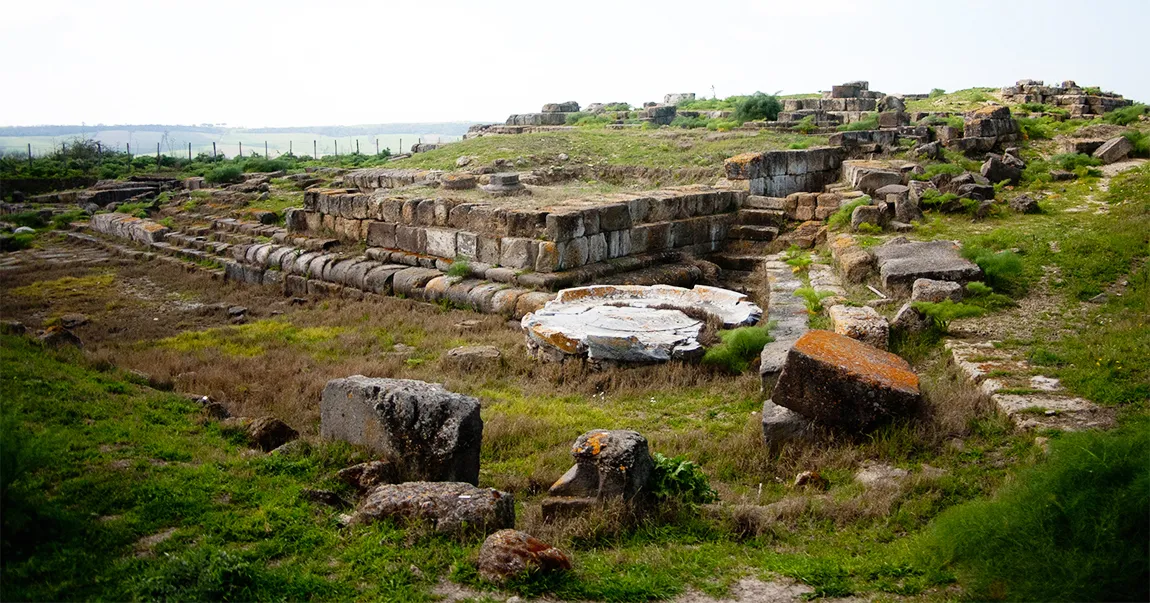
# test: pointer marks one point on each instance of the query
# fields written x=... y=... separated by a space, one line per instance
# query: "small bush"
x=936 y=169
x=1003 y=269
x=980 y=294
x=1072 y=161
x=617 y=107
x=689 y=122
x=266 y=165
x=758 y=106
x=1034 y=107
x=723 y=125
x=459 y=267
x=1126 y=115
x=1141 y=142
x=941 y=313
x=937 y=92
x=31 y=219
x=1071 y=528
x=679 y=478
x=870 y=122
x=868 y=228
x=16 y=242
x=738 y=349
x=806 y=125
x=813 y=299
x=842 y=218
x=932 y=198
x=225 y=174
x=797 y=258
x=587 y=120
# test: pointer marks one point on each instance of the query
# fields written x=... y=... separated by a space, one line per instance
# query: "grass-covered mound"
x=1072 y=528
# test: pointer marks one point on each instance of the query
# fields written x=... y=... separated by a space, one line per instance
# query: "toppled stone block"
x=1115 y=149
x=910 y=320
x=873 y=181
x=265 y=433
x=608 y=464
x=450 y=507
x=423 y=430
x=838 y=381
x=510 y=554
x=901 y=264
x=861 y=323
x=365 y=477
x=472 y=357
x=854 y=262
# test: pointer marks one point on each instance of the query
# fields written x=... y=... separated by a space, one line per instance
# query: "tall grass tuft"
x=738 y=349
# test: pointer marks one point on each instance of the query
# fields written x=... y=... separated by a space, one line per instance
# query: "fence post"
x=29 y=155
x=357 y=146
x=336 y=148
x=213 y=150
x=289 y=148
x=189 y=151
x=400 y=146
x=266 y=150
x=241 y=150
x=129 y=153
x=377 y=146
x=157 y=155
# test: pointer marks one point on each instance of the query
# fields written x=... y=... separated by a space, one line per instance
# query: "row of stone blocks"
x=599 y=214
x=129 y=227
x=702 y=233
x=370 y=179
x=829 y=104
x=780 y=173
x=299 y=273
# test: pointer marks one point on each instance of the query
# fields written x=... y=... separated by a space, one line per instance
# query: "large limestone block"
x=510 y=554
x=450 y=507
x=838 y=381
x=425 y=431
x=861 y=323
x=1114 y=149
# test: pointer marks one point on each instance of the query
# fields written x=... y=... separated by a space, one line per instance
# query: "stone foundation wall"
x=1067 y=96
x=780 y=173
x=693 y=219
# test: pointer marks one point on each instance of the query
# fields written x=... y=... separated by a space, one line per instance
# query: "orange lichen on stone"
x=594 y=444
x=744 y=158
x=871 y=364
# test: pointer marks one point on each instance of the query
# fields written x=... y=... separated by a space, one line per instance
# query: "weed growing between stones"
x=738 y=350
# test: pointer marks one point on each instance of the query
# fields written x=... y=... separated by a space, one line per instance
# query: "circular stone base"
x=629 y=323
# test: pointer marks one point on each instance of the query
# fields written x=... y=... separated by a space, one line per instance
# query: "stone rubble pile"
x=1079 y=101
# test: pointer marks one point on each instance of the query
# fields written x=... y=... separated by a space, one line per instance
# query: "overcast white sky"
x=331 y=62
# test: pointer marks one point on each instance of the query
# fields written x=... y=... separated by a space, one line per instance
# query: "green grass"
x=1072 y=528
x=842 y=217
x=646 y=148
x=738 y=349
x=958 y=101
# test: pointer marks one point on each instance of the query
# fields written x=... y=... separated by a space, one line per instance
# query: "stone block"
x=411 y=238
x=564 y=226
x=518 y=253
x=441 y=242
x=862 y=323
x=467 y=245
x=487 y=249
x=380 y=234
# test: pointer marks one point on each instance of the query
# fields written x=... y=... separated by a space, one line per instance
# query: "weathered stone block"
x=441 y=242
x=608 y=464
x=862 y=323
x=411 y=238
x=838 y=381
x=380 y=234
x=518 y=253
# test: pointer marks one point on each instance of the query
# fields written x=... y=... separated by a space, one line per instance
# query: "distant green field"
x=175 y=142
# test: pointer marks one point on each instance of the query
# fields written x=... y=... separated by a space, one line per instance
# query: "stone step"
x=759 y=202
x=748 y=232
x=761 y=217
x=736 y=262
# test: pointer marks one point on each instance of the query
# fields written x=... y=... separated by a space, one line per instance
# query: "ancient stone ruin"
x=1079 y=101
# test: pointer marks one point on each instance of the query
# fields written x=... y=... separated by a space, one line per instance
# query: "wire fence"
x=267 y=149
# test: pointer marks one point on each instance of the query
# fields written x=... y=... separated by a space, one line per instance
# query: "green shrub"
x=868 y=228
x=459 y=267
x=738 y=348
x=689 y=122
x=1141 y=142
x=981 y=295
x=937 y=92
x=1034 y=107
x=806 y=125
x=799 y=145
x=224 y=174
x=587 y=120
x=681 y=479
x=797 y=258
x=941 y=313
x=1002 y=269
x=758 y=106
x=842 y=218
x=1095 y=90
x=60 y=221
x=1036 y=128
x=870 y=122
x=1072 y=161
x=1074 y=527
x=813 y=299
x=31 y=219
x=617 y=107
x=266 y=165
x=936 y=169
x=933 y=198
x=1126 y=115
x=723 y=125
x=16 y=242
